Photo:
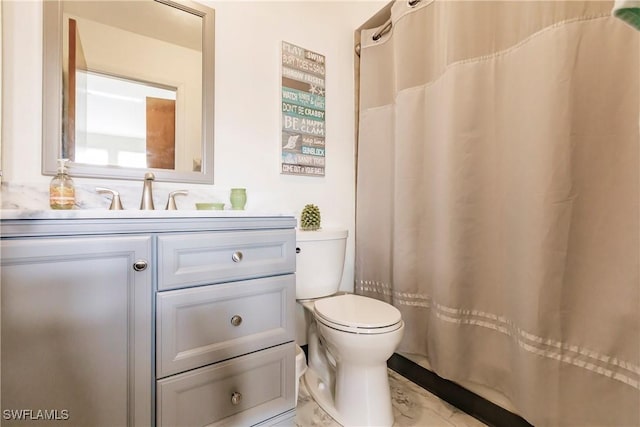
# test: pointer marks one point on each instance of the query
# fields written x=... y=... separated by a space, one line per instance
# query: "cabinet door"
x=76 y=331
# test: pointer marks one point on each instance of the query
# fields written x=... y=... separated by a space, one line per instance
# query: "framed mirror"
x=128 y=87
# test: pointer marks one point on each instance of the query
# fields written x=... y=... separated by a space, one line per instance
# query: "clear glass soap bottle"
x=62 y=194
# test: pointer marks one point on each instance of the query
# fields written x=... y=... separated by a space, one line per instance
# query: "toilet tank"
x=319 y=262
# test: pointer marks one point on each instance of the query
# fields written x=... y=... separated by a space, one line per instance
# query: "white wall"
x=1 y=32
x=247 y=107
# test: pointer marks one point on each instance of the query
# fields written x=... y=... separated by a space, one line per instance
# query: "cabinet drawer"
x=262 y=383
x=203 y=325
x=204 y=258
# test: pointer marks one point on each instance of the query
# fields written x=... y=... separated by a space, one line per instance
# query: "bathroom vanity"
x=173 y=319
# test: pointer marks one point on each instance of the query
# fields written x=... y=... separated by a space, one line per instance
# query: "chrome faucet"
x=147 y=192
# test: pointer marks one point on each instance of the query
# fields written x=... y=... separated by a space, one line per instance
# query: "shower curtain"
x=498 y=199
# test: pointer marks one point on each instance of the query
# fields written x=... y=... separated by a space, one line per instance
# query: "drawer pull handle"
x=140 y=265
x=237 y=256
x=236 y=320
x=236 y=398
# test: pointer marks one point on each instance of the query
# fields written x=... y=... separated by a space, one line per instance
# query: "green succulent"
x=310 y=218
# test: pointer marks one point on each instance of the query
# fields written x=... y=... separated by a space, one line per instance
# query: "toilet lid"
x=355 y=313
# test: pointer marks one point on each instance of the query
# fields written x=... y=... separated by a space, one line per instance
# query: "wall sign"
x=303 y=108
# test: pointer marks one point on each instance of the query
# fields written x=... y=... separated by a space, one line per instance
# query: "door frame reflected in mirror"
x=52 y=120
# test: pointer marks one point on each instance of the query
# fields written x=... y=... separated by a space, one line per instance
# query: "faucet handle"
x=116 y=204
x=171 y=201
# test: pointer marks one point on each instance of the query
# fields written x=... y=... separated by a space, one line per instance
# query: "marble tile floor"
x=413 y=406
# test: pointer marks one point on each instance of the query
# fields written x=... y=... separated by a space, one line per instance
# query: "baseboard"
x=456 y=395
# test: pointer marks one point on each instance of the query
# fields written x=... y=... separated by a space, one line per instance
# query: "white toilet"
x=350 y=337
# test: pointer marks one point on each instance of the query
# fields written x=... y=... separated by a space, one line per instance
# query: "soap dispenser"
x=62 y=194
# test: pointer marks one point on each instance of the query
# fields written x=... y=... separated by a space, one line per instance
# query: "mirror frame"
x=52 y=97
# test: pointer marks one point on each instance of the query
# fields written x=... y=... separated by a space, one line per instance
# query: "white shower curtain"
x=498 y=199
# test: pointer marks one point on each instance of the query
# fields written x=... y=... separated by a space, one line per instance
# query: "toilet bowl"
x=350 y=337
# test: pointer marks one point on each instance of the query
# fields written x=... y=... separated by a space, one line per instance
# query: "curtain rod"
x=387 y=27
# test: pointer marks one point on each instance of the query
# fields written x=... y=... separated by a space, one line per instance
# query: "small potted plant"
x=310 y=218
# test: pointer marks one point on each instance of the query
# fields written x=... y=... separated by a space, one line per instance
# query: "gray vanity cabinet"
x=76 y=321
x=174 y=321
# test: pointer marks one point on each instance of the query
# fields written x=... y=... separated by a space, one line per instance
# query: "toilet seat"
x=357 y=314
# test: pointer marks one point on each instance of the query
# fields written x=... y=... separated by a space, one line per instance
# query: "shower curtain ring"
x=378 y=35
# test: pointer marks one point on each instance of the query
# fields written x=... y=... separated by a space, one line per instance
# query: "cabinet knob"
x=237 y=256
x=236 y=320
x=140 y=265
x=236 y=398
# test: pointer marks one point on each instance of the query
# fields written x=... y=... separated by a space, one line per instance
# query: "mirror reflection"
x=134 y=95
x=137 y=88
x=122 y=122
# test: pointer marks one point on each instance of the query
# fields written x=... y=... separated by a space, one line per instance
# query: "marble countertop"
x=12 y=214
